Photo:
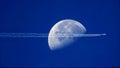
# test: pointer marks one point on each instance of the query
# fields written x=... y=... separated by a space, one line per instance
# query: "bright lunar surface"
x=66 y=26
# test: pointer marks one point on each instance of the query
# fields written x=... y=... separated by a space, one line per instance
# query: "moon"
x=66 y=26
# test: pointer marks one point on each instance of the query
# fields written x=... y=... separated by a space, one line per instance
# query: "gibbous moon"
x=67 y=26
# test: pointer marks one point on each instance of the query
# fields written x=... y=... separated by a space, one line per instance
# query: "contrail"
x=46 y=35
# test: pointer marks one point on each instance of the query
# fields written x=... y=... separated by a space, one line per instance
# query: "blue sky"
x=36 y=16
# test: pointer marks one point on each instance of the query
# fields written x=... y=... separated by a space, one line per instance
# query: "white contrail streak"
x=46 y=35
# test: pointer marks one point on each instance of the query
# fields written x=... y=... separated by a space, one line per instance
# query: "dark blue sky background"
x=38 y=16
